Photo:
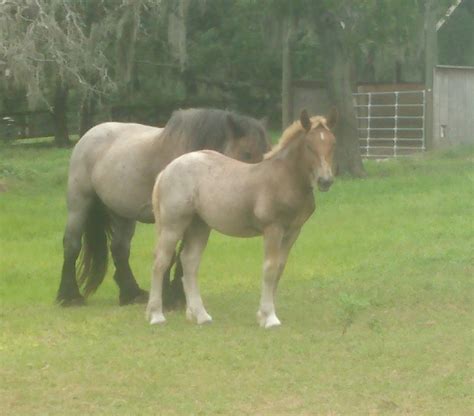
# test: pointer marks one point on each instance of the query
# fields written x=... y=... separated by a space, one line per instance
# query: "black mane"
x=202 y=128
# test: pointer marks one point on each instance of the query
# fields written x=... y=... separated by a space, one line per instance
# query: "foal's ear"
x=234 y=126
x=305 y=121
x=331 y=118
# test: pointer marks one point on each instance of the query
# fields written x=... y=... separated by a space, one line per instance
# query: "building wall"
x=453 y=106
x=310 y=96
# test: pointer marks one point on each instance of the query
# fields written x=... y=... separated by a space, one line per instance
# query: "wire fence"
x=390 y=124
x=33 y=124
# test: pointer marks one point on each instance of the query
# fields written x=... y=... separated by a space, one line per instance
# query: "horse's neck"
x=164 y=150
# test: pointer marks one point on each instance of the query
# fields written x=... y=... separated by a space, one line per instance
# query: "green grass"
x=376 y=304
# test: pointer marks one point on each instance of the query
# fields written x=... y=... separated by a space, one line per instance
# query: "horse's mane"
x=206 y=128
x=293 y=132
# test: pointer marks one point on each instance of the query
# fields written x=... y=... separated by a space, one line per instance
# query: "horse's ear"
x=332 y=118
x=235 y=127
x=305 y=121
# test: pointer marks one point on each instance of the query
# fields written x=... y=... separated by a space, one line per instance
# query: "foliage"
x=456 y=42
x=46 y=41
x=121 y=52
x=350 y=307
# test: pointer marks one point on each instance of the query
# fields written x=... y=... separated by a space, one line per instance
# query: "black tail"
x=94 y=255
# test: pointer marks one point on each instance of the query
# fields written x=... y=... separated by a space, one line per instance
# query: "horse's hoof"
x=272 y=322
x=71 y=301
x=157 y=318
x=267 y=321
x=141 y=296
x=204 y=319
x=201 y=319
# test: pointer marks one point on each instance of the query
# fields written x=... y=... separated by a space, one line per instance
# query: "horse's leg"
x=122 y=233
x=195 y=241
x=68 y=292
x=286 y=245
x=273 y=238
x=277 y=248
x=173 y=291
x=164 y=253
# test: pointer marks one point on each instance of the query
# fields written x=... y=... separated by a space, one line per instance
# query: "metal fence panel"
x=391 y=123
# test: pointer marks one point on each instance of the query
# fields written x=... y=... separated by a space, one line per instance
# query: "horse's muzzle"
x=325 y=183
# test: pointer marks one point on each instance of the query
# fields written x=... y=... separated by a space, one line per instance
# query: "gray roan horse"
x=111 y=176
x=205 y=190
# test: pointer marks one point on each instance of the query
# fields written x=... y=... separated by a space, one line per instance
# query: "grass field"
x=376 y=304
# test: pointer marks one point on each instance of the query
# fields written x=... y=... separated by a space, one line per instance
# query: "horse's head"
x=247 y=139
x=319 y=147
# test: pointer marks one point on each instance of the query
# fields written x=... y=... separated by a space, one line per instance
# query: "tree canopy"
x=141 y=59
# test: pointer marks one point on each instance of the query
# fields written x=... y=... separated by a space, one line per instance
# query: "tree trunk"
x=177 y=40
x=177 y=26
x=88 y=107
x=61 y=134
x=338 y=65
x=127 y=31
x=286 y=73
x=431 y=59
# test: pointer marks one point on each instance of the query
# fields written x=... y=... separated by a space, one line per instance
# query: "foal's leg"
x=173 y=291
x=194 y=243
x=272 y=238
x=168 y=239
x=78 y=209
x=122 y=234
x=286 y=245
x=277 y=247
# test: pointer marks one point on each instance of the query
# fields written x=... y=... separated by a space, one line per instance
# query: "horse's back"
x=112 y=161
x=106 y=134
x=95 y=145
x=215 y=187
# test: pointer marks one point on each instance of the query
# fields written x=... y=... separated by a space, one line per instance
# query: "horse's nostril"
x=325 y=183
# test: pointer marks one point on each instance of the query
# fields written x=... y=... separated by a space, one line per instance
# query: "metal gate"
x=390 y=124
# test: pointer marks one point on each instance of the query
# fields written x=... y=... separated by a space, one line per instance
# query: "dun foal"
x=206 y=190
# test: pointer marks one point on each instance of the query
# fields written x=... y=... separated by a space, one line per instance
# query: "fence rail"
x=400 y=112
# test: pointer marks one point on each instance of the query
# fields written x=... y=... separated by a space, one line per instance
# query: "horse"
x=205 y=190
x=112 y=171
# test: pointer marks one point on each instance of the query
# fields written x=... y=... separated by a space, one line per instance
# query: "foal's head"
x=319 y=147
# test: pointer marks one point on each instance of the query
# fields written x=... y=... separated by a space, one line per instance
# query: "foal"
x=206 y=190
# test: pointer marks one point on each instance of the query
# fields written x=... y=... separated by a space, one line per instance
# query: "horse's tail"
x=155 y=199
x=94 y=256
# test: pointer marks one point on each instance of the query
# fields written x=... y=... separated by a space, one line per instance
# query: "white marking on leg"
x=204 y=318
x=272 y=321
x=157 y=318
x=198 y=314
x=268 y=320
